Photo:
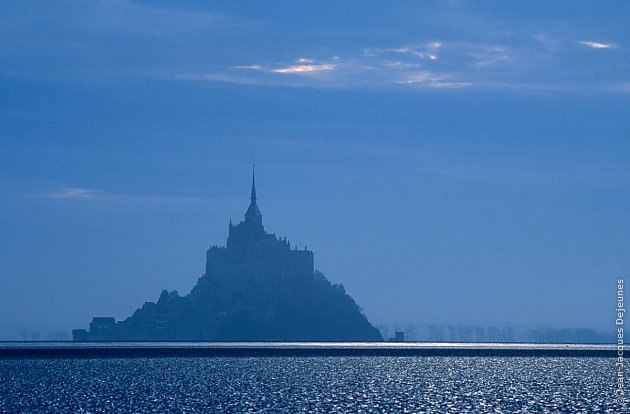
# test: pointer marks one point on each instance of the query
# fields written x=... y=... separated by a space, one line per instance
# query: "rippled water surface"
x=310 y=384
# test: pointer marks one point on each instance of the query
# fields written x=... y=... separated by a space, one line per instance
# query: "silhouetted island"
x=256 y=288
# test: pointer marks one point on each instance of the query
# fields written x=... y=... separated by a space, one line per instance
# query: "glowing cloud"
x=598 y=45
x=305 y=68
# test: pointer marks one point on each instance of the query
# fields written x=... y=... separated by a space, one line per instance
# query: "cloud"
x=452 y=53
x=436 y=64
x=299 y=69
x=597 y=45
x=251 y=67
x=426 y=51
x=221 y=78
x=450 y=85
x=397 y=64
x=72 y=193
x=487 y=55
x=365 y=70
x=84 y=194
x=422 y=77
x=433 y=80
x=115 y=39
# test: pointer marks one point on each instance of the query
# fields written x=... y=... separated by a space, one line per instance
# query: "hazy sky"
x=447 y=161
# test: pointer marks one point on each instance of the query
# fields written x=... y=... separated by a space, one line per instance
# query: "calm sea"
x=430 y=384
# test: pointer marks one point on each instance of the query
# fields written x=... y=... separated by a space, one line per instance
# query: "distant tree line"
x=579 y=335
x=464 y=333
x=50 y=336
x=437 y=333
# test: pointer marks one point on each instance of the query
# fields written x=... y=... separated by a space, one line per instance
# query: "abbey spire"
x=253 y=194
x=253 y=213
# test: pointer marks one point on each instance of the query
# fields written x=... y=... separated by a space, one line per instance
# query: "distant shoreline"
x=26 y=350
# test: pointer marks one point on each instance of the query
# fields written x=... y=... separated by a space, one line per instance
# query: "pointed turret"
x=253 y=213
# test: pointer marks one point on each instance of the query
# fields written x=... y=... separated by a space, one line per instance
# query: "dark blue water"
x=309 y=384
